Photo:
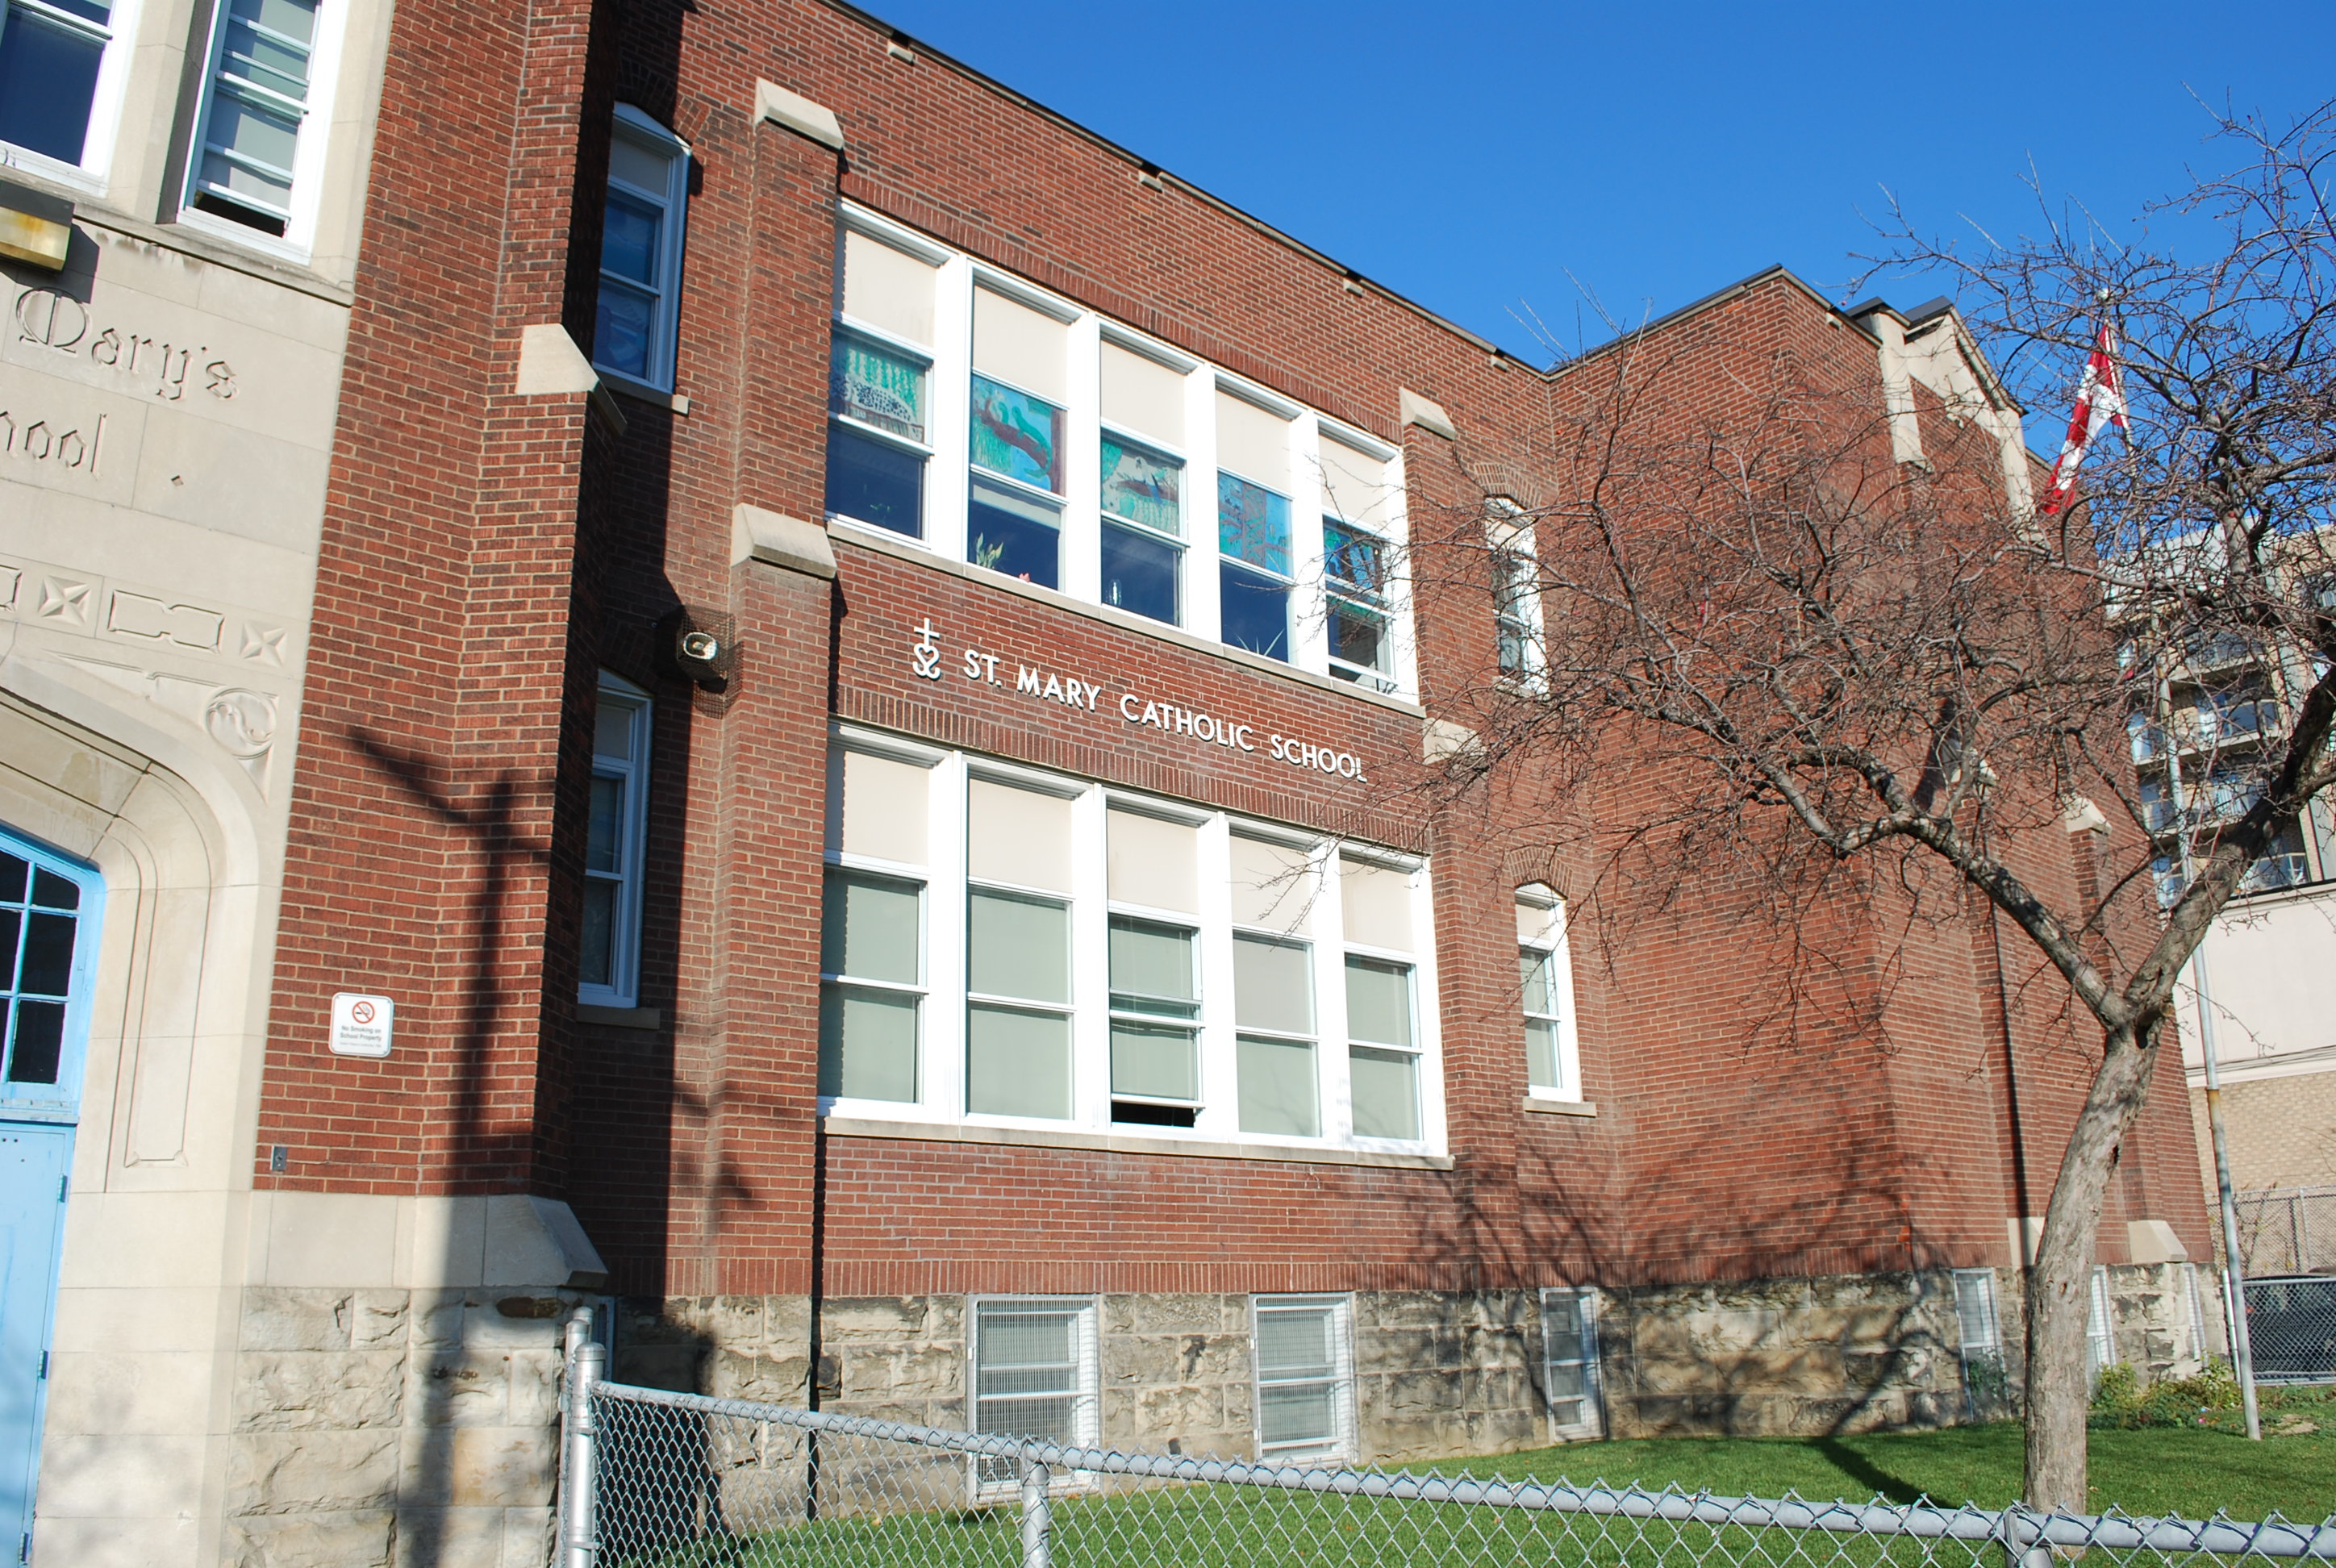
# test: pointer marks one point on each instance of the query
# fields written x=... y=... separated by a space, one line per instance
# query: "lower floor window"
x=1304 y=1377
x=1568 y=1337
x=1033 y=1375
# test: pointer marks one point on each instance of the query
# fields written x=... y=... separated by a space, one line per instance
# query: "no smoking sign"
x=361 y=1024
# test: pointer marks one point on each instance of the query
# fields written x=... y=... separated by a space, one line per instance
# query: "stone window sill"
x=1127 y=1143
x=641 y=392
x=1554 y=1108
x=620 y=1018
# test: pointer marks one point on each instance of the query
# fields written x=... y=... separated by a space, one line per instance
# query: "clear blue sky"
x=1470 y=154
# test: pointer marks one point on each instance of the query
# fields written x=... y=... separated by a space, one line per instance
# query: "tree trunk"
x=2059 y=1283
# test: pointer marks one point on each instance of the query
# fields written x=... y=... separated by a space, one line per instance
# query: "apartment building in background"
x=696 y=661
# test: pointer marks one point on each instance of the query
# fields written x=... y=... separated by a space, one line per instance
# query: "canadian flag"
x=2100 y=403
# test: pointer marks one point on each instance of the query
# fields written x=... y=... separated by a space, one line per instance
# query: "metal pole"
x=579 y=1545
x=2234 y=1276
x=1038 y=1551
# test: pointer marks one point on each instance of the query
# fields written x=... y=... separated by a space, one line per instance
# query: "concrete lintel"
x=797 y=113
x=777 y=539
x=1553 y=1107
x=1429 y=414
x=550 y=365
x=2153 y=1241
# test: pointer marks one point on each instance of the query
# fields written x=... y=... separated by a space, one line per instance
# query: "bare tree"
x=1741 y=616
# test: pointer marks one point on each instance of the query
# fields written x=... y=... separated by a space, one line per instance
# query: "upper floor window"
x=1005 y=427
x=609 y=966
x=1545 y=978
x=61 y=68
x=252 y=151
x=1516 y=593
x=880 y=387
x=1013 y=518
x=640 y=252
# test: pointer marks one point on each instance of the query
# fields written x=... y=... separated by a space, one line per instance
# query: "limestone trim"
x=880 y=543
x=1545 y=1105
x=777 y=539
x=797 y=113
x=1127 y=1143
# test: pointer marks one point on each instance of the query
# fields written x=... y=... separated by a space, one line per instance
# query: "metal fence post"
x=586 y=1362
x=1038 y=1551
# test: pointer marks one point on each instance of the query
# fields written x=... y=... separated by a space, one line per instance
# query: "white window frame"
x=1516 y=609
x=921 y=874
x=1137 y=1015
x=119 y=35
x=1182 y=542
x=2100 y=1325
x=950 y=471
x=1338 y=1444
x=298 y=239
x=633 y=125
x=1316 y=920
x=1557 y=950
x=945 y=404
x=1087 y=1410
x=1393 y=605
x=1416 y=1051
x=837 y=981
x=1593 y=1425
x=623 y=990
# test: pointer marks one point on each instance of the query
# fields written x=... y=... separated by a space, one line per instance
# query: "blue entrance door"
x=48 y=942
x=34 y=1162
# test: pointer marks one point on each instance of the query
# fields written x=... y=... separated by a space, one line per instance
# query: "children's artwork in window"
x=1252 y=524
x=879 y=386
x=1017 y=434
x=1142 y=487
x=1354 y=560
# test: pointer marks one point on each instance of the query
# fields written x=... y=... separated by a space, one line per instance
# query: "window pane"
x=887 y=288
x=1142 y=394
x=1534 y=978
x=869 y=928
x=867 y=1044
x=1019 y=947
x=876 y=385
x=1144 y=487
x=1540 y=1055
x=620 y=338
x=1017 y=434
x=1358 y=636
x=878 y=807
x=647 y=167
x=247 y=151
x=1152 y=967
x=1294 y=1344
x=596 y=957
x=48 y=955
x=47 y=78
x=1354 y=558
x=1021 y=837
x=870 y=482
x=602 y=849
x=1139 y=573
x=628 y=239
x=1374 y=905
x=1567 y=1379
x=11 y=877
x=1254 y=611
x=1053 y=1420
x=1252 y=524
x=1273 y=984
x=1252 y=442
x=1026 y=1340
x=1277 y=1087
x=1385 y=1086
x=39 y=1043
x=1301 y=1414
x=1378 y=1001
x=1272 y=885
x=11 y=922
x=1152 y=862
x=1013 y=343
x=1017 y=1064
x=1158 y=1061
x=1354 y=483
x=1015 y=534
x=612 y=729
x=52 y=891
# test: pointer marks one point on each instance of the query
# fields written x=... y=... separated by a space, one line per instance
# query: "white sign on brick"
x=361 y=1024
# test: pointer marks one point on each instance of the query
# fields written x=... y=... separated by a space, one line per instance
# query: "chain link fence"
x=2287 y=1231
x=652 y=1479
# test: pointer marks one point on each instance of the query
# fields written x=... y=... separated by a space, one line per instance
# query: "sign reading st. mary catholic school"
x=1134 y=707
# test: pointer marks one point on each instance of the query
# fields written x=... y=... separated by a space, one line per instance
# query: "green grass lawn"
x=2161 y=1470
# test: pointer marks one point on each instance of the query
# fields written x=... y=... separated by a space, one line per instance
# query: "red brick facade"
x=486 y=553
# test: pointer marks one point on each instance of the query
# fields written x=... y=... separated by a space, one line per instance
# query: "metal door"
x=48 y=952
